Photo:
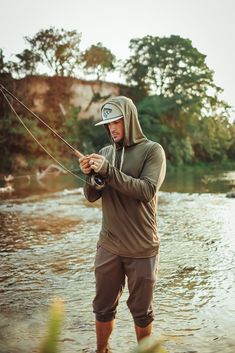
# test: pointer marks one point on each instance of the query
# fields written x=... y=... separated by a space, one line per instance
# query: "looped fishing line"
x=39 y=143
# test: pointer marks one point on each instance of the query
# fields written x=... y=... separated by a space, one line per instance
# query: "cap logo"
x=106 y=112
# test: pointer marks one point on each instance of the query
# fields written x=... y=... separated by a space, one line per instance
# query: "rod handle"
x=78 y=154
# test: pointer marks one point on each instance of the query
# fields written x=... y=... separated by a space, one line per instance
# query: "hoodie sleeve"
x=90 y=192
x=151 y=177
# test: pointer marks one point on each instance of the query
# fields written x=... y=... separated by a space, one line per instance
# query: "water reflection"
x=198 y=180
x=47 y=247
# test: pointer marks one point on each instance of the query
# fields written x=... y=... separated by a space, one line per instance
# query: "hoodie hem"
x=147 y=254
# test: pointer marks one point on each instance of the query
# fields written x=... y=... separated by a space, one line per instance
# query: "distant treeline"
x=179 y=104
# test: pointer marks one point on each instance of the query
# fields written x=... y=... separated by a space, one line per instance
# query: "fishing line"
x=76 y=152
x=25 y=176
x=35 y=139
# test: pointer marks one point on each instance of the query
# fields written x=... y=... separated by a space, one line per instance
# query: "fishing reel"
x=97 y=181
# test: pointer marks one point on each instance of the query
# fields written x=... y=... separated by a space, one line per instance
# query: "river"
x=48 y=241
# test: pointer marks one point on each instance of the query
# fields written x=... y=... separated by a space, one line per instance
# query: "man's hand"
x=96 y=161
x=85 y=164
x=91 y=162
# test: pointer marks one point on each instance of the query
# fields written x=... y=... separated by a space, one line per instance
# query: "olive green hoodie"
x=134 y=171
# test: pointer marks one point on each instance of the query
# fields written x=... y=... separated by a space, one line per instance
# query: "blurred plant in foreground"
x=50 y=344
x=150 y=345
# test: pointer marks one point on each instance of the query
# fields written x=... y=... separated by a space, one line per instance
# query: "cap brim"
x=107 y=121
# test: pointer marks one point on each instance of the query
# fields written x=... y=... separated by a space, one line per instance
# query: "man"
x=133 y=169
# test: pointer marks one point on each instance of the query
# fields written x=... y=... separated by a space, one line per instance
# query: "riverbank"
x=199 y=178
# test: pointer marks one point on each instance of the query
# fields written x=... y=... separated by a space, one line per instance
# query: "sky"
x=209 y=24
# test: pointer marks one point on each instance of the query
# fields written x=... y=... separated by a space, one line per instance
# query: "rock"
x=8 y=189
x=231 y=194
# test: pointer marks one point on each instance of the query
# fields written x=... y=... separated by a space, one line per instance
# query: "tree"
x=27 y=63
x=58 y=49
x=211 y=139
x=14 y=139
x=4 y=67
x=231 y=151
x=172 y=67
x=155 y=114
x=187 y=138
x=98 y=60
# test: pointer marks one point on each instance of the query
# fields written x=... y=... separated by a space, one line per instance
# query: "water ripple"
x=47 y=248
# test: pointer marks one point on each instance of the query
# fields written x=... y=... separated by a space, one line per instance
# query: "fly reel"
x=97 y=181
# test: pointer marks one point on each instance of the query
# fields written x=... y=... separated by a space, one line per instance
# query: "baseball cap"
x=109 y=113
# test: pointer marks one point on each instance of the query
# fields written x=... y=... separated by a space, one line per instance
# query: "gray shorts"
x=110 y=272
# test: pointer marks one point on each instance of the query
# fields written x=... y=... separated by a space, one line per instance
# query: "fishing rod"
x=96 y=180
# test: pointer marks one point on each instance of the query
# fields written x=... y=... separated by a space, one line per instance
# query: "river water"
x=48 y=241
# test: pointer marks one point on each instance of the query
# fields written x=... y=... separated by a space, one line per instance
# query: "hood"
x=132 y=128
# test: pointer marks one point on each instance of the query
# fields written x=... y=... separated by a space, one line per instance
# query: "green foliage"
x=98 y=60
x=71 y=128
x=231 y=149
x=82 y=134
x=27 y=63
x=92 y=138
x=155 y=114
x=58 y=49
x=178 y=102
x=3 y=65
x=185 y=136
x=14 y=139
x=172 y=67
x=211 y=139
x=186 y=139
x=183 y=116
x=168 y=66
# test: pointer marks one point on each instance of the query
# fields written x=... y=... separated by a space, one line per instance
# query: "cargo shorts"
x=111 y=272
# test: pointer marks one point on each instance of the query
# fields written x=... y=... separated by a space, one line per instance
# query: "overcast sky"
x=209 y=24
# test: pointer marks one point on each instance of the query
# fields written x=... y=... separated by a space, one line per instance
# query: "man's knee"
x=105 y=317
x=143 y=321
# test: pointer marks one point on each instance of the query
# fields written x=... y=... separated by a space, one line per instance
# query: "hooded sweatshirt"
x=134 y=171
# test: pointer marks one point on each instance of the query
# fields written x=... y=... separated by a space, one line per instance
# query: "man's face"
x=116 y=129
